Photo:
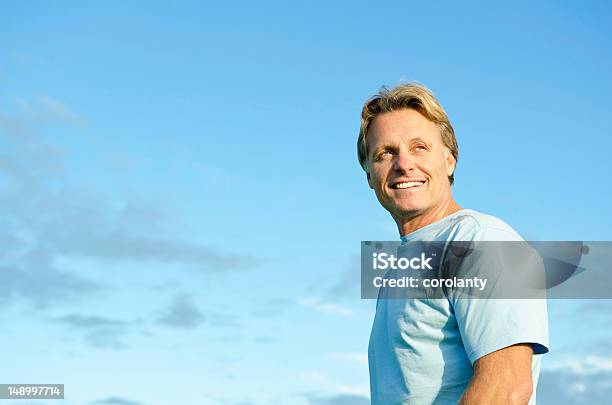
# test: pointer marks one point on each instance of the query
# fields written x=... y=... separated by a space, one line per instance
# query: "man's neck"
x=406 y=226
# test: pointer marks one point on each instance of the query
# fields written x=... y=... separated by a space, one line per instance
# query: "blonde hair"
x=412 y=96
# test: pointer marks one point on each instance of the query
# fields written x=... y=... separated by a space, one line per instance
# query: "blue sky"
x=182 y=204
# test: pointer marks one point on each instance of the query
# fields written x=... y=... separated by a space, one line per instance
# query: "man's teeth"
x=410 y=184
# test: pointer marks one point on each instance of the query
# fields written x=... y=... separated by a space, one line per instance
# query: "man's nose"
x=404 y=162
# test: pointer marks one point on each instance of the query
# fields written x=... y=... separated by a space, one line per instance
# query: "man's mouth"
x=408 y=184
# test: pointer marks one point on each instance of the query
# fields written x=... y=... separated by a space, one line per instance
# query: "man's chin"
x=406 y=212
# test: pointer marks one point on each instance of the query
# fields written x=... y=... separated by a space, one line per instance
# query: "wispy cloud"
x=43 y=109
x=57 y=110
x=576 y=379
x=47 y=220
x=273 y=307
x=182 y=313
x=323 y=306
x=101 y=332
x=584 y=365
x=13 y=127
x=28 y=166
x=116 y=401
x=323 y=383
x=348 y=283
x=89 y=322
x=118 y=246
x=357 y=358
x=43 y=285
x=340 y=399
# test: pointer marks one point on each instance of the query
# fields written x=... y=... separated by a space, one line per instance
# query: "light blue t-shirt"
x=422 y=351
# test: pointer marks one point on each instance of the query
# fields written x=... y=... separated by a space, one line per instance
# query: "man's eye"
x=384 y=154
x=420 y=147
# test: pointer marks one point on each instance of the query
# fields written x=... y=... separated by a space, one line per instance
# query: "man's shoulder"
x=470 y=224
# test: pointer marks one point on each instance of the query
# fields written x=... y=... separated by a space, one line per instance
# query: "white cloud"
x=48 y=220
x=576 y=380
x=349 y=357
x=586 y=365
x=57 y=110
x=44 y=109
x=321 y=382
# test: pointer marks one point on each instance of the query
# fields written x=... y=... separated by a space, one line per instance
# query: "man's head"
x=408 y=149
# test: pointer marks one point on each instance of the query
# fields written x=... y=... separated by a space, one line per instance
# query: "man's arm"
x=501 y=377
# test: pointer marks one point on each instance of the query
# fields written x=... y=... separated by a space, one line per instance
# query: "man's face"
x=409 y=165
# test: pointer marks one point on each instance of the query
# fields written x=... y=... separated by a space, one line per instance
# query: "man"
x=442 y=351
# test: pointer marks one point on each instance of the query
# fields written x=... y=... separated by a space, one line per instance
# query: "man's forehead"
x=403 y=126
x=401 y=136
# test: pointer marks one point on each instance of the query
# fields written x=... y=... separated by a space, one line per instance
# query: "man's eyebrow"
x=419 y=139
x=394 y=145
x=384 y=146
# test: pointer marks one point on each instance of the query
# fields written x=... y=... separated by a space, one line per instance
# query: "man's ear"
x=450 y=163
x=369 y=180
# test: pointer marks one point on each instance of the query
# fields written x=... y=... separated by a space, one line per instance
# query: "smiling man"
x=442 y=351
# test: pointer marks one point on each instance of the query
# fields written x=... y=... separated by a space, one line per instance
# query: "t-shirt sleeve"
x=487 y=325
x=490 y=324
